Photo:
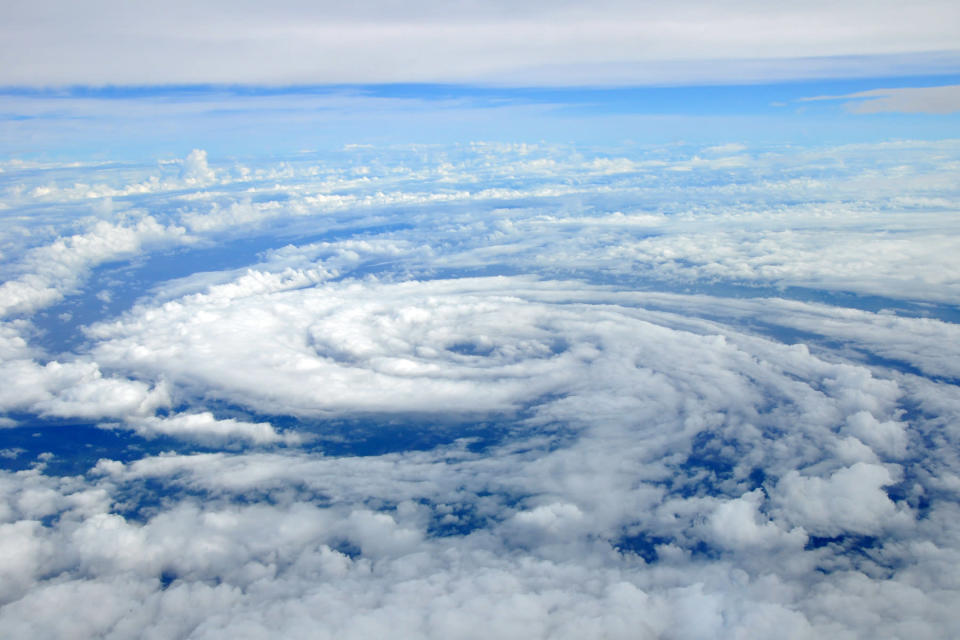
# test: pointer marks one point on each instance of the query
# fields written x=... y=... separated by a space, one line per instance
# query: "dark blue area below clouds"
x=378 y=434
x=701 y=99
x=76 y=446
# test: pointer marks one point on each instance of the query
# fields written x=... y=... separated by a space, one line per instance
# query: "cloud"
x=195 y=169
x=282 y=342
x=75 y=389
x=849 y=500
x=935 y=100
x=295 y=43
x=245 y=560
x=205 y=428
x=512 y=390
x=54 y=270
x=735 y=524
x=730 y=147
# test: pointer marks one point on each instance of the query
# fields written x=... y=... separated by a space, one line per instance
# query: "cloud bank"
x=53 y=43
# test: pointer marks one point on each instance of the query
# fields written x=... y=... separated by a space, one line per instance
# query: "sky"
x=461 y=320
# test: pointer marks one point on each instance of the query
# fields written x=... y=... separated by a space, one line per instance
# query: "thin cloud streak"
x=934 y=100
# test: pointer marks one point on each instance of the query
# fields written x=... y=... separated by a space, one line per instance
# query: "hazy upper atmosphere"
x=480 y=320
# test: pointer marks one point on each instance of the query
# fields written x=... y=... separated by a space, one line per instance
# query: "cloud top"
x=510 y=390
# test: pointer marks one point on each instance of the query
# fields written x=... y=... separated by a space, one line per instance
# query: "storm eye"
x=475 y=348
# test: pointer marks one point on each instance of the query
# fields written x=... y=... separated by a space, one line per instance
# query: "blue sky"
x=154 y=121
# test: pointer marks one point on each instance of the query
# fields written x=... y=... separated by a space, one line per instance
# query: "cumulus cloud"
x=850 y=500
x=195 y=169
x=735 y=524
x=52 y=271
x=76 y=389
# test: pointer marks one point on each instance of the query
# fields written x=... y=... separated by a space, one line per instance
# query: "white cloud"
x=730 y=147
x=240 y=565
x=195 y=169
x=735 y=524
x=284 y=343
x=850 y=500
x=205 y=428
x=56 y=269
x=76 y=389
x=922 y=343
x=888 y=437
x=347 y=346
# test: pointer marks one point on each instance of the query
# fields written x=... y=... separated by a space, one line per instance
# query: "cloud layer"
x=294 y=42
x=488 y=389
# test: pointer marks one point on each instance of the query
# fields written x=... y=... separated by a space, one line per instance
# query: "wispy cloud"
x=934 y=100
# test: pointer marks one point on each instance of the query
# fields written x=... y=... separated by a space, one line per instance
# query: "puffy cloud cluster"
x=499 y=391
